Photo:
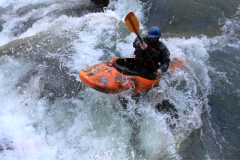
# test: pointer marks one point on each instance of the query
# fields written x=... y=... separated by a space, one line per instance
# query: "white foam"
x=21 y=139
x=13 y=19
x=122 y=7
x=4 y=39
x=21 y=3
x=91 y=40
x=194 y=54
x=91 y=126
x=156 y=139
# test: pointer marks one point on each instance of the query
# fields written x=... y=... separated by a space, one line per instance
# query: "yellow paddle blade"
x=132 y=22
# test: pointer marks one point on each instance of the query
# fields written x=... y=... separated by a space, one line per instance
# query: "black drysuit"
x=158 y=52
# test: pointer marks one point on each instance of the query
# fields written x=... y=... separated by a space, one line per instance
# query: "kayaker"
x=157 y=51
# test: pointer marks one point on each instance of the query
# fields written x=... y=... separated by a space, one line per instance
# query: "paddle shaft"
x=136 y=32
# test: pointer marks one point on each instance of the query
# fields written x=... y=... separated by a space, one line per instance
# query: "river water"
x=48 y=113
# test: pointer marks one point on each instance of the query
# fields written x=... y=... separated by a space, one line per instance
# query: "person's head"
x=154 y=33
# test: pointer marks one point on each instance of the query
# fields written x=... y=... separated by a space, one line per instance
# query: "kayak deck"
x=106 y=78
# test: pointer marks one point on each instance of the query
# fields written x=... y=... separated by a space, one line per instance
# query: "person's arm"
x=158 y=72
x=138 y=48
x=165 y=60
x=136 y=43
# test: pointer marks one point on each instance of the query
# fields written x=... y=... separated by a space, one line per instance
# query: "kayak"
x=116 y=75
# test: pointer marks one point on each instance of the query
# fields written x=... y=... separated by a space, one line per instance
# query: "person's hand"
x=158 y=73
x=143 y=46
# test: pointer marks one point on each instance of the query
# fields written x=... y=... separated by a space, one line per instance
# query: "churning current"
x=48 y=113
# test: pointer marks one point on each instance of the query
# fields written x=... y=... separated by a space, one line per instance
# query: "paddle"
x=133 y=24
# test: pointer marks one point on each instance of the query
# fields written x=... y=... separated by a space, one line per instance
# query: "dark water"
x=194 y=18
x=191 y=18
x=47 y=113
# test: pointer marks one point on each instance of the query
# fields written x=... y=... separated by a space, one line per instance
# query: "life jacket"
x=146 y=59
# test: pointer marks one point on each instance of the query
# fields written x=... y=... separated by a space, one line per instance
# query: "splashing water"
x=47 y=113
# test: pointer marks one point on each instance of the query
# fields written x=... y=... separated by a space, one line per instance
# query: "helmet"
x=154 y=32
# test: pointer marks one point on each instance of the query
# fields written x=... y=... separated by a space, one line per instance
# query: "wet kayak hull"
x=104 y=77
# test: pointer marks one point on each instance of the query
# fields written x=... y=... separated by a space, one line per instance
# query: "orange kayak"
x=113 y=76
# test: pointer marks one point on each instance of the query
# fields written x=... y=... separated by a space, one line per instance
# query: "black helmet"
x=154 y=32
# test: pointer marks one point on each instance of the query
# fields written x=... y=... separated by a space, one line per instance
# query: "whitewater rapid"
x=46 y=111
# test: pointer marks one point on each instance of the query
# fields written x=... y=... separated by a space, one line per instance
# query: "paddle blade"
x=132 y=22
